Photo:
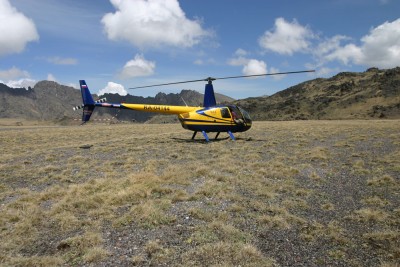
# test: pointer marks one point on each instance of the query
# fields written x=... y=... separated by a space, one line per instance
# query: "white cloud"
x=73 y=85
x=250 y=66
x=152 y=23
x=209 y=61
x=380 y=48
x=16 y=78
x=50 y=77
x=346 y=54
x=13 y=73
x=137 y=67
x=199 y=62
x=286 y=37
x=241 y=52
x=239 y=58
x=277 y=77
x=254 y=67
x=21 y=83
x=62 y=61
x=113 y=88
x=238 y=61
x=329 y=45
x=326 y=71
x=15 y=28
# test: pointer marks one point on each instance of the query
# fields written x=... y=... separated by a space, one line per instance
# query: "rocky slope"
x=348 y=95
x=50 y=101
x=371 y=94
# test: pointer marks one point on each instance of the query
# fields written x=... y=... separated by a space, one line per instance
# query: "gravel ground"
x=297 y=193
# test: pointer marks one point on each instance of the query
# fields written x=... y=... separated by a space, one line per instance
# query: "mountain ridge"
x=33 y=103
x=373 y=94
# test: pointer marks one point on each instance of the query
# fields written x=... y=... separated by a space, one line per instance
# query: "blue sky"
x=118 y=44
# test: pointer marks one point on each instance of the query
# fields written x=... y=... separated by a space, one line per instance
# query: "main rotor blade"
x=264 y=74
x=153 y=85
x=210 y=79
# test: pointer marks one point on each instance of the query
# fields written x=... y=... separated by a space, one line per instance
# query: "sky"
x=118 y=44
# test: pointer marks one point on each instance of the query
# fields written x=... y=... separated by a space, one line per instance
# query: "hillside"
x=50 y=101
x=371 y=94
x=46 y=101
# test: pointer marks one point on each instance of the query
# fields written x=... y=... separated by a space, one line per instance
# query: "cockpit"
x=239 y=115
x=221 y=118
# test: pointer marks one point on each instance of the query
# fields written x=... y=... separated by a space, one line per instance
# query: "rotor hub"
x=209 y=80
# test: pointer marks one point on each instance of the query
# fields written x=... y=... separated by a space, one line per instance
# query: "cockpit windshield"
x=236 y=114
x=239 y=115
x=245 y=114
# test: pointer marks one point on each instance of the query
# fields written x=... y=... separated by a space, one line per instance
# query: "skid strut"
x=216 y=137
x=205 y=135
x=231 y=135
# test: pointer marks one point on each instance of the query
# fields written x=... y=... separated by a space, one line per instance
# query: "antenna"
x=184 y=101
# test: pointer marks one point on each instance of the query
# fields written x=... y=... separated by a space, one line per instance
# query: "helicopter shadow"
x=201 y=141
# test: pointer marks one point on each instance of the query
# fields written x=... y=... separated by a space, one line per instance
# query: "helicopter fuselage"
x=216 y=119
x=220 y=118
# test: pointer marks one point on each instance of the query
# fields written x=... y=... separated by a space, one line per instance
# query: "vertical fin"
x=209 y=96
x=88 y=102
x=86 y=95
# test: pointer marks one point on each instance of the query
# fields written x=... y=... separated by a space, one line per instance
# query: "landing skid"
x=216 y=137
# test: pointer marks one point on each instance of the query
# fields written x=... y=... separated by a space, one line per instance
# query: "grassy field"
x=304 y=193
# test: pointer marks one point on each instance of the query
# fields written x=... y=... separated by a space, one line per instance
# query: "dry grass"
x=285 y=193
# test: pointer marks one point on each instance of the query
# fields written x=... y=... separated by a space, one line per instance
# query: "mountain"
x=371 y=94
x=50 y=101
x=46 y=101
x=348 y=95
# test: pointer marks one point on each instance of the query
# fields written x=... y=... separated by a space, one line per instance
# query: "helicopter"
x=208 y=118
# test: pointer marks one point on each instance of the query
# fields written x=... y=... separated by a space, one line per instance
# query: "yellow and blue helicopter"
x=205 y=119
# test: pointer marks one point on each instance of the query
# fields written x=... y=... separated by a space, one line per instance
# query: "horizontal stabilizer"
x=77 y=107
x=101 y=100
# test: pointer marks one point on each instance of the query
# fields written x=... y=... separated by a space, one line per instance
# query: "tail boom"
x=164 y=109
x=89 y=104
